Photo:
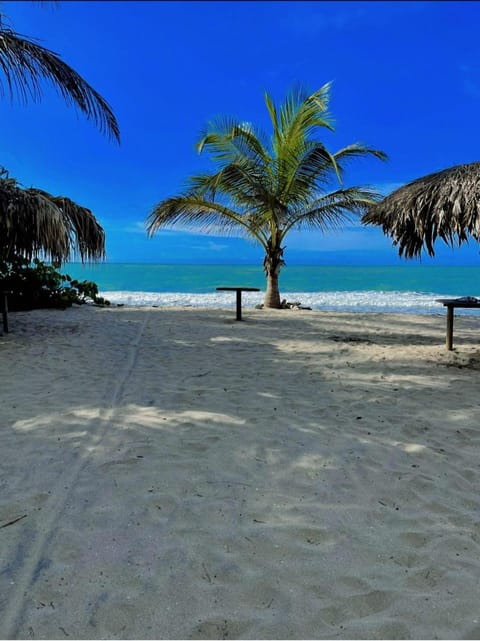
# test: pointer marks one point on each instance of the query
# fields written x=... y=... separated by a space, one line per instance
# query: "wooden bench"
x=450 y=304
x=239 y=291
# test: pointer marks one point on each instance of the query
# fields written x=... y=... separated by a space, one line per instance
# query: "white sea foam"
x=341 y=301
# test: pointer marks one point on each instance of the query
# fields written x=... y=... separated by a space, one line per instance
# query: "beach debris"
x=465 y=362
x=348 y=339
x=206 y=575
x=13 y=521
x=287 y=305
x=293 y=305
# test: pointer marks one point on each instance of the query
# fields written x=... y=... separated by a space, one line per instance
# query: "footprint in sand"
x=342 y=584
x=219 y=629
x=355 y=607
x=317 y=536
x=425 y=579
x=414 y=539
x=392 y=630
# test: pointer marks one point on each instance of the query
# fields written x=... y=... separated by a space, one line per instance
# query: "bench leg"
x=449 y=338
x=239 y=305
x=5 y=313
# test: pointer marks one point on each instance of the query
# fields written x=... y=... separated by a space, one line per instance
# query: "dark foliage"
x=33 y=285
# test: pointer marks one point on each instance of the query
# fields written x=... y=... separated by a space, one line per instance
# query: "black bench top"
x=239 y=289
x=468 y=301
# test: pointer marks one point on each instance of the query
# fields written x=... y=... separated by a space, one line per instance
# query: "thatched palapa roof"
x=34 y=223
x=444 y=205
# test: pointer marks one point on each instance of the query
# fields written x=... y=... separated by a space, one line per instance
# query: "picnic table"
x=239 y=291
x=450 y=304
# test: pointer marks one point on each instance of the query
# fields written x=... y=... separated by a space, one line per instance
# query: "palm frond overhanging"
x=24 y=64
x=444 y=205
x=265 y=187
x=34 y=223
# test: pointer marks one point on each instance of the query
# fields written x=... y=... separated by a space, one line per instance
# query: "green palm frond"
x=229 y=141
x=356 y=150
x=251 y=143
x=243 y=183
x=204 y=216
x=24 y=63
x=305 y=172
x=301 y=114
x=300 y=117
x=272 y=110
x=331 y=210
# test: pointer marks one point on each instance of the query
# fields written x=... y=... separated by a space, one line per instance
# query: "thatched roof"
x=443 y=205
x=34 y=223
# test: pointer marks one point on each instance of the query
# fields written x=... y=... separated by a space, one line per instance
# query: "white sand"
x=299 y=475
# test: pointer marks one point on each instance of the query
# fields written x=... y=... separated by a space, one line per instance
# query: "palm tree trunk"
x=272 y=295
x=272 y=264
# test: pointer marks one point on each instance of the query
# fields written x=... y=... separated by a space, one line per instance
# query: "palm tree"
x=24 y=63
x=34 y=223
x=264 y=189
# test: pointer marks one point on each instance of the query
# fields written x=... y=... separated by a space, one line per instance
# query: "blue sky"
x=406 y=80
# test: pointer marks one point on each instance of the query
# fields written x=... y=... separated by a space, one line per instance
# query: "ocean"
x=404 y=288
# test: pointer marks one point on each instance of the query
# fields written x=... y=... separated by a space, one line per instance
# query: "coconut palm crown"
x=265 y=188
x=24 y=64
x=34 y=223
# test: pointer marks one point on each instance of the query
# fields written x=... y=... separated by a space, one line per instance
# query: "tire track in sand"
x=32 y=566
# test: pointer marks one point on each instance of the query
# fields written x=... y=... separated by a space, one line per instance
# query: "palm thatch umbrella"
x=34 y=223
x=444 y=205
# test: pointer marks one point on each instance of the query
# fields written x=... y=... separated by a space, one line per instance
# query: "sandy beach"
x=174 y=474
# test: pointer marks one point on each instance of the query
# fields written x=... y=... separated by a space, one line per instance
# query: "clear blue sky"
x=406 y=80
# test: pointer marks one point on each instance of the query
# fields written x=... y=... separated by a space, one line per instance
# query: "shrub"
x=38 y=285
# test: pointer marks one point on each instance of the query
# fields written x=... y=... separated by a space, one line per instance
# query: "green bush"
x=38 y=285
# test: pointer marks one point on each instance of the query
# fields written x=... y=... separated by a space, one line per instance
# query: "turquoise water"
x=409 y=288
x=460 y=281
